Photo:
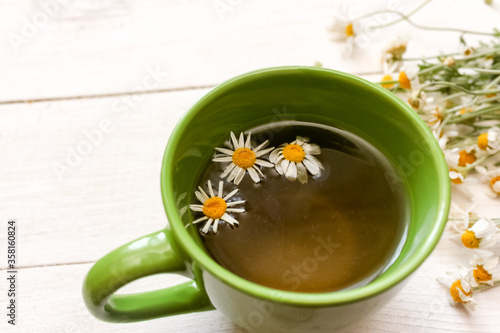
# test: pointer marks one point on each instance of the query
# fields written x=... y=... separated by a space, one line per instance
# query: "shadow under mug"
x=261 y=97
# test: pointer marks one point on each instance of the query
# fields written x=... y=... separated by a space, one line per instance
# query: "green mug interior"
x=312 y=95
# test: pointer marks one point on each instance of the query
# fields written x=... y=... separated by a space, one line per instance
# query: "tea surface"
x=340 y=230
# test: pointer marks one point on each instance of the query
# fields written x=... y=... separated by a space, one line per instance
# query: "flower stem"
x=429 y=57
x=457 y=87
x=407 y=19
x=488 y=109
x=485 y=286
x=422 y=5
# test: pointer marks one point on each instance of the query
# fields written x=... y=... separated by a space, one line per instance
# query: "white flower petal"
x=235 y=142
x=301 y=140
x=312 y=167
x=258 y=170
x=465 y=285
x=284 y=165
x=239 y=176
x=233 y=192
x=215 y=226
x=199 y=197
x=247 y=143
x=225 y=151
x=291 y=172
x=264 y=163
x=229 y=219
x=206 y=227
x=301 y=173
x=263 y=152
x=488 y=241
x=210 y=189
x=278 y=168
x=311 y=149
x=204 y=195
x=262 y=145
x=241 y=142
x=221 y=187
x=254 y=175
x=201 y=219
x=490 y=264
x=227 y=170
x=234 y=203
x=462 y=296
x=196 y=208
x=273 y=157
x=483 y=228
x=234 y=173
x=316 y=161
x=223 y=159
x=235 y=210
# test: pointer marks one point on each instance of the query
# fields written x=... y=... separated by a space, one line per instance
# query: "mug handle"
x=151 y=254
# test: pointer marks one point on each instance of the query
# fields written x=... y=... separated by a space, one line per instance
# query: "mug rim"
x=374 y=288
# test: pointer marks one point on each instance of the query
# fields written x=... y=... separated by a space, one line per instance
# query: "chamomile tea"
x=301 y=207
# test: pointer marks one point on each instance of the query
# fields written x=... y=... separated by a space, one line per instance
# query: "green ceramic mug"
x=249 y=100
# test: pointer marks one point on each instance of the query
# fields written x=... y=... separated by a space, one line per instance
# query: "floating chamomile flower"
x=215 y=208
x=460 y=289
x=483 y=268
x=243 y=159
x=294 y=159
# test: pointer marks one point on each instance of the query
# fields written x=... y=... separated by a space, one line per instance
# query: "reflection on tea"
x=339 y=228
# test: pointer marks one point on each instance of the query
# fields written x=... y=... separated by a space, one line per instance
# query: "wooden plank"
x=113 y=194
x=50 y=301
x=75 y=210
x=88 y=48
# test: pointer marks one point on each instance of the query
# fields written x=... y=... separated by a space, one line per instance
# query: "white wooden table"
x=84 y=63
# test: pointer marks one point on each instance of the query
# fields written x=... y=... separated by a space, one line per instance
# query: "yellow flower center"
x=438 y=116
x=490 y=95
x=482 y=141
x=480 y=274
x=493 y=181
x=214 y=207
x=454 y=291
x=470 y=240
x=244 y=158
x=387 y=85
x=349 y=31
x=455 y=180
x=404 y=82
x=466 y=158
x=294 y=153
x=414 y=103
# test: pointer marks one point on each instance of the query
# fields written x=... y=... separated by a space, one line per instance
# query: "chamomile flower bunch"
x=458 y=96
